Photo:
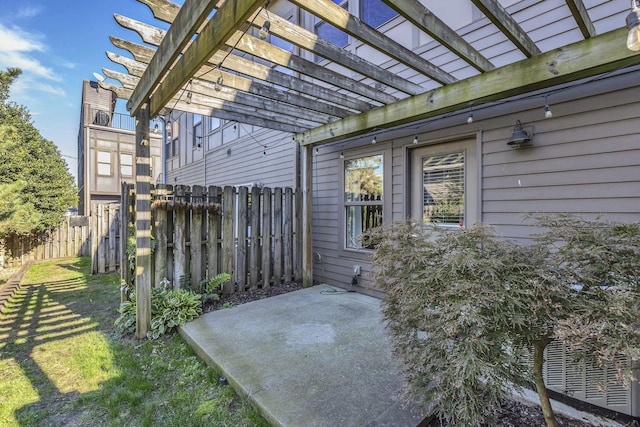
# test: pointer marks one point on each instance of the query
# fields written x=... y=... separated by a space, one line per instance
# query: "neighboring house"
x=454 y=169
x=106 y=149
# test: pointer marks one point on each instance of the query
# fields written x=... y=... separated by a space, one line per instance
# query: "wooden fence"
x=198 y=232
x=69 y=239
x=97 y=236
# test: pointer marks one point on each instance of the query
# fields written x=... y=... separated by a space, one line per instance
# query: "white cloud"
x=16 y=50
x=29 y=12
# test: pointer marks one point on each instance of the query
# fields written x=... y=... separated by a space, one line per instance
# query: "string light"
x=470 y=116
x=374 y=140
x=547 y=110
x=415 y=139
x=264 y=31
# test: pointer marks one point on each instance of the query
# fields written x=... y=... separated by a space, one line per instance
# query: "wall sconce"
x=633 y=25
x=520 y=137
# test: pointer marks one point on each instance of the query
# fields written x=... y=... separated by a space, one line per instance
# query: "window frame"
x=129 y=165
x=344 y=205
x=100 y=162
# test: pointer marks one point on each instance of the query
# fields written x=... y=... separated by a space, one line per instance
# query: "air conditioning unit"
x=563 y=376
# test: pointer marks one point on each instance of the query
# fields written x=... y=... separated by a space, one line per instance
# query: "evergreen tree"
x=35 y=184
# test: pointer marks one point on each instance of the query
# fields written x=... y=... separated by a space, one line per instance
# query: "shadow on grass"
x=58 y=346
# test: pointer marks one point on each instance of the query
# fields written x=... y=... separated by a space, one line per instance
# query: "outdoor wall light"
x=520 y=137
x=633 y=25
x=264 y=31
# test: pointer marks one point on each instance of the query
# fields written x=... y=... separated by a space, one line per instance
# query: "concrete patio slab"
x=313 y=357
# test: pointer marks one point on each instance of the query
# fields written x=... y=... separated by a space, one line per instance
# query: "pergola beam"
x=338 y=17
x=153 y=36
x=573 y=62
x=191 y=15
x=497 y=14
x=416 y=13
x=166 y=10
x=580 y=14
x=225 y=22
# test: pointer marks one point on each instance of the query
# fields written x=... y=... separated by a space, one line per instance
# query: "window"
x=214 y=123
x=126 y=164
x=375 y=12
x=445 y=184
x=443 y=189
x=330 y=33
x=197 y=131
x=104 y=163
x=363 y=197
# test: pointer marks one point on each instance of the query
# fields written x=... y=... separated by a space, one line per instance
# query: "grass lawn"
x=62 y=364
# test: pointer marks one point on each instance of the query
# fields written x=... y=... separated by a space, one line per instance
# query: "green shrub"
x=210 y=289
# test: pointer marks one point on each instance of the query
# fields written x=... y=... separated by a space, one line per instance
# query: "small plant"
x=174 y=308
x=169 y=309
x=210 y=288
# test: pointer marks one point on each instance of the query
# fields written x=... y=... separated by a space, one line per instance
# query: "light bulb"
x=264 y=31
x=342 y=154
x=633 y=39
x=547 y=112
x=189 y=95
x=374 y=140
x=470 y=118
x=415 y=139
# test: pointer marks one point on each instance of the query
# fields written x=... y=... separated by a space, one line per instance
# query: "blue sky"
x=58 y=44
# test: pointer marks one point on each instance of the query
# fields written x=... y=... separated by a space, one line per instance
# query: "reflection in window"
x=375 y=12
x=363 y=197
x=104 y=163
x=330 y=33
x=443 y=189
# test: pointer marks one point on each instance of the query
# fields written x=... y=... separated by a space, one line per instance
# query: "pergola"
x=208 y=62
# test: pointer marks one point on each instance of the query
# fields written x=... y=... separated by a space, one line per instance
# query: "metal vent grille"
x=590 y=384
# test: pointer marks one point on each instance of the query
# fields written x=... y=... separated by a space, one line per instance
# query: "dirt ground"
x=510 y=414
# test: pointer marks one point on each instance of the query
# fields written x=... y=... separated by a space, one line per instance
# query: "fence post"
x=228 y=237
x=179 y=241
x=254 y=239
x=196 y=235
x=266 y=237
x=241 y=251
x=277 y=235
x=213 y=231
x=288 y=235
x=159 y=233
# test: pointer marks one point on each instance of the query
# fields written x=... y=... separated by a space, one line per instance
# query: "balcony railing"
x=116 y=120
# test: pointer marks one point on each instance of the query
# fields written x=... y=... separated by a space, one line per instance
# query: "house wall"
x=584 y=160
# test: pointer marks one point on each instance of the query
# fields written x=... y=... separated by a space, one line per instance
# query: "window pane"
x=363 y=179
x=331 y=34
x=443 y=189
x=126 y=170
x=375 y=12
x=104 y=157
x=104 y=169
x=359 y=220
x=126 y=159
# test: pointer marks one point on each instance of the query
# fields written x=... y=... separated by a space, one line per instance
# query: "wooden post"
x=213 y=232
x=277 y=235
x=143 y=224
x=179 y=237
x=241 y=264
x=159 y=232
x=113 y=225
x=254 y=238
x=124 y=235
x=307 y=212
x=266 y=237
x=196 y=235
x=288 y=235
x=228 y=237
